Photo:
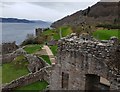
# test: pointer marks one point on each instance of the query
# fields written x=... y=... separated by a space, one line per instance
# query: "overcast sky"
x=47 y=11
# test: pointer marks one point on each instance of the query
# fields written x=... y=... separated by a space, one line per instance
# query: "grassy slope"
x=105 y=34
x=46 y=58
x=14 y=70
x=55 y=33
x=54 y=49
x=32 y=48
x=51 y=34
x=66 y=31
x=37 y=86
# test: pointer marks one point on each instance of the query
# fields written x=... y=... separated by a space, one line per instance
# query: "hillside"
x=101 y=12
x=15 y=20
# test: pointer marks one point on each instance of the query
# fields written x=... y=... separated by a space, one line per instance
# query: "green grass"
x=0 y=74
x=14 y=69
x=19 y=62
x=48 y=32
x=54 y=49
x=46 y=58
x=51 y=34
x=30 y=49
x=37 y=86
x=55 y=34
x=106 y=34
x=66 y=31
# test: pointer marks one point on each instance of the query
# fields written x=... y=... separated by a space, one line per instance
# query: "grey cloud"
x=49 y=11
x=64 y=6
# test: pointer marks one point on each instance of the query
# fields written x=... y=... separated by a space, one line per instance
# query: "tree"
x=30 y=36
x=40 y=39
x=30 y=39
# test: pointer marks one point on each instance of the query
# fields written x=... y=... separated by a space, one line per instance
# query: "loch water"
x=18 y=31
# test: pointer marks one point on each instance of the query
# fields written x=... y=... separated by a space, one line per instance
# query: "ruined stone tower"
x=86 y=64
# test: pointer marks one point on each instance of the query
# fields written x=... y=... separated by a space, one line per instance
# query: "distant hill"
x=101 y=12
x=15 y=20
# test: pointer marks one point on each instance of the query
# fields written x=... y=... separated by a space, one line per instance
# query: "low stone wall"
x=28 y=79
x=35 y=63
x=6 y=58
x=9 y=47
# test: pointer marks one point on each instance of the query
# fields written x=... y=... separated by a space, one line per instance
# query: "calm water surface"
x=18 y=31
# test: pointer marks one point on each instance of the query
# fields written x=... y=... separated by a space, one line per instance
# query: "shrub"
x=30 y=39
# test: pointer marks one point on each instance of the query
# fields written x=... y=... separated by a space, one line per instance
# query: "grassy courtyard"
x=18 y=68
x=106 y=34
x=36 y=86
x=14 y=69
x=30 y=49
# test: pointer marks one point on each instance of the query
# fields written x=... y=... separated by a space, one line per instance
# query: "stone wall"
x=9 y=47
x=6 y=58
x=78 y=57
x=27 y=79
x=37 y=66
x=38 y=31
x=35 y=63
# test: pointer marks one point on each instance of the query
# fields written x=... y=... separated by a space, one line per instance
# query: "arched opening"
x=94 y=82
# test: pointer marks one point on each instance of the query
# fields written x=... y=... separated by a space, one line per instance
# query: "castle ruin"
x=83 y=63
x=9 y=47
x=86 y=64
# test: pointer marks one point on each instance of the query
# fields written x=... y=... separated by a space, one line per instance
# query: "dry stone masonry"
x=42 y=74
x=9 y=47
x=85 y=63
x=6 y=58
